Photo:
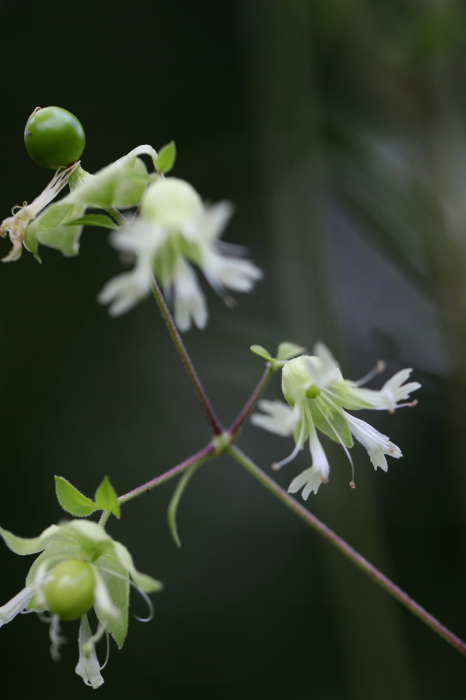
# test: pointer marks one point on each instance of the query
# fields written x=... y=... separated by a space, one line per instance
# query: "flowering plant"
x=172 y=231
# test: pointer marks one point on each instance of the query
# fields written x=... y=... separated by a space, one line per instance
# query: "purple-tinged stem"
x=186 y=360
x=348 y=551
x=255 y=396
x=198 y=458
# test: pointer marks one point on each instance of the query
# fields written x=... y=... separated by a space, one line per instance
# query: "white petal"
x=376 y=444
x=16 y=605
x=312 y=478
x=189 y=301
x=281 y=418
x=229 y=272
x=125 y=291
x=88 y=665
x=141 y=237
x=210 y=224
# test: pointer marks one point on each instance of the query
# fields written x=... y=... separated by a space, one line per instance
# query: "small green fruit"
x=54 y=138
x=70 y=593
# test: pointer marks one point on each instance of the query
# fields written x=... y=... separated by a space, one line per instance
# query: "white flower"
x=317 y=397
x=105 y=567
x=176 y=231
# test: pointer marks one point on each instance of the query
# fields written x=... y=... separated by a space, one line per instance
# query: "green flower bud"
x=70 y=591
x=54 y=138
x=171 y=202
x=296 y=379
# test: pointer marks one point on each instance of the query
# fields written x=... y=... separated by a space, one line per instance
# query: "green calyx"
x=69 y=592
x=54 y=138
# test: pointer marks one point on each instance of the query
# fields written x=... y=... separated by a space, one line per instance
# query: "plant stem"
x=117 y=215
x=186 y=360
x=255 y=396
x=202 y=456
x=104 y=517
x=347 y=550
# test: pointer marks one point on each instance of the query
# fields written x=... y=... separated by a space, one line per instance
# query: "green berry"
x=70 y=593
x=54 y=138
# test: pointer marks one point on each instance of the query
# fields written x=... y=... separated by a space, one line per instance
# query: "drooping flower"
x=317 y=396
x=176 y=231
x=80 y=567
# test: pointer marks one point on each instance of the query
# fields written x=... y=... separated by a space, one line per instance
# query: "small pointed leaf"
x=93 y=220
x=288 y=350
x=262 y=352
x=106 y=497
x=72 y=500
x=166 y=158
x=173 y=507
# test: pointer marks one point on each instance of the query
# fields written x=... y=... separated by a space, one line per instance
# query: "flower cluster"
x=174 y=232
x=80 y=567
x=317 y=396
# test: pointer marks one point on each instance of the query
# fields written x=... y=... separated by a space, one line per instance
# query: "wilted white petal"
x=125 y=291
x=88 y=665
x=330 y=371
x=376 y=444
x=16 y=605
x=189 y=301
x=277 y=417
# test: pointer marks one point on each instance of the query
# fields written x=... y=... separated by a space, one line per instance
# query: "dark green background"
x=336 y=128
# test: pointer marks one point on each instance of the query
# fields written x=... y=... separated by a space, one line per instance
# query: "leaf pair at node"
x=75 y=503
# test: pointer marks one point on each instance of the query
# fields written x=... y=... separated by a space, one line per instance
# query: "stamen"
x=378 y=369
x=149 y=604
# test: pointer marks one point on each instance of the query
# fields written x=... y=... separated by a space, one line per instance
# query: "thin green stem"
x=255 y=396
x=104 y=517
x=118 y=216
x=202 y=456
x=347 y=550
x=186 y=360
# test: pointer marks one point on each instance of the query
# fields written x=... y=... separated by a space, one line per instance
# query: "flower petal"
x=281 y=419
x=16 y=605
x=376 y=444
x=189 y=301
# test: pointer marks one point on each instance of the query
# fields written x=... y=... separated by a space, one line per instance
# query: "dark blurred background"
x=337 y=127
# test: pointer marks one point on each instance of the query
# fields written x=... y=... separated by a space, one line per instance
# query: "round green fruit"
x=70 y=593
x=54 y=138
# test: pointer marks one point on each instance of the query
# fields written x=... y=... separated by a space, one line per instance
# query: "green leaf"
x=93 y=220
x=50 y=228
x=288 y=350
x=106 y=497
x=173 y=507
x=72 y=500
x=166 y=158
x=262 y=352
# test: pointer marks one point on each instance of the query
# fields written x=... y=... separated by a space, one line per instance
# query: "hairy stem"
x=186 y=360
x=347 y=550
x=202 y=456
x=255 y=396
